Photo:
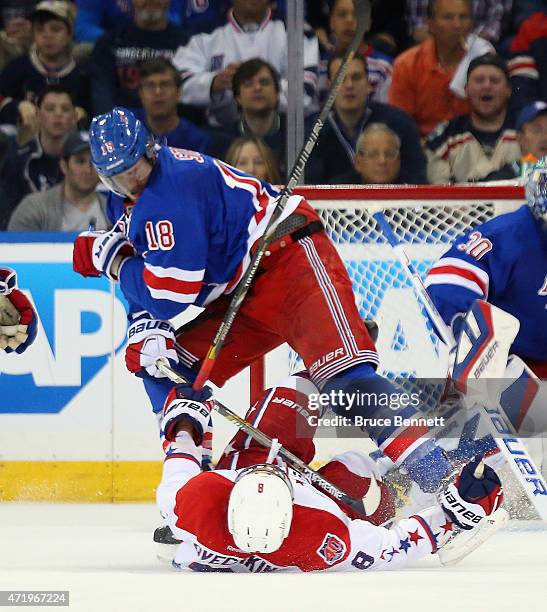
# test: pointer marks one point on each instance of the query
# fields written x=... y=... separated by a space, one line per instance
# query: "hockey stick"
x=503 y=432
x=355 y=504
x=362 y=12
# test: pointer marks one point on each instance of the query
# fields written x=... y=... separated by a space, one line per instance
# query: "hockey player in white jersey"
x=209 y=61
x=255 y=514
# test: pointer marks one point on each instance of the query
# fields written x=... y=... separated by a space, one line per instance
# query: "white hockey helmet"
x=260 y=508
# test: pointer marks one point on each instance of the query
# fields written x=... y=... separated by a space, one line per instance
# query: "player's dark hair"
x=339 y=56
x=248 y=70
x=432 y=5
x=488 y=59
x=56 y=89
x=158 y=65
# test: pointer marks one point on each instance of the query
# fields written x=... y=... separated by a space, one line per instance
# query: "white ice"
x=104 y=555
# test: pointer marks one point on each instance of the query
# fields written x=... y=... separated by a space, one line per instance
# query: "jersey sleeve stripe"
x=427 y=529
x=171 y=284
x=452 y=279
x=462 y=270
x=176 y=273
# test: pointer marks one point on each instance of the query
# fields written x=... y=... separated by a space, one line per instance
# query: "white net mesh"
x=407 y=345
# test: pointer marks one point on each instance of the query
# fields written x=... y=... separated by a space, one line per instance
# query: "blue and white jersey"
x=503 y=261
x=192 y=228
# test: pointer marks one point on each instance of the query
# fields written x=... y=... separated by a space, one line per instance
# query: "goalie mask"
x=118 y=140
x=536 y=190
x=260 y=508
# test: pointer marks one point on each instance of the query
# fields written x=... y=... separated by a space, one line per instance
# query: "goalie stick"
x=362 y=12
x=514 y=451
x=359 y=505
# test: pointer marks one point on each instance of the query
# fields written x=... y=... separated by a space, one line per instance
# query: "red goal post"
x=426 y=218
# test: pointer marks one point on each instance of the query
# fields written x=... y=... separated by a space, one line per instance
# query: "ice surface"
x=105 y=557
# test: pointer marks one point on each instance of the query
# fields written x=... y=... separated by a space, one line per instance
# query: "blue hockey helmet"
x=118 y=140
x=536 y=189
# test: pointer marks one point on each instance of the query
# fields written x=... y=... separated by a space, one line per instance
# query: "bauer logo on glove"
x=186 y=404
x=475 y=494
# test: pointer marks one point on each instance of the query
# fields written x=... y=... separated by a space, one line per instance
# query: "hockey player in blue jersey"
x=504 y=262
x=491 y=288
x=185 y=227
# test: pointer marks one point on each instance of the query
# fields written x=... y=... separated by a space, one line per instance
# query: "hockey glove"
x=101 y=253
x=474 y=494
x=18 y=319
x=147 y=340
x=185 y=404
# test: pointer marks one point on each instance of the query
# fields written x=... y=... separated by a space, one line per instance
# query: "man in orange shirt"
x=422 y=74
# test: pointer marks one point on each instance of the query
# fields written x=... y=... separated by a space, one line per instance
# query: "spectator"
x=209 y=61
x=528 y=62
x=532 y=139
x=470 y=147
x=16 y=35
x=378 y=157
x=389 y=27
x=343 y=25
x=335 y=149
x=49 y=62
x=115 y=60
x=256 y=90
x=71 y=206
x=253 y=156
x=96 y=17
x=422 y=74
x=522 y=9
x=490 y=18
x=159 y=92
x=35 y=166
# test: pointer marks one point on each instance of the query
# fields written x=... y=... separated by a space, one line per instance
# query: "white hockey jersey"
x=321 y=537
x=207 y=54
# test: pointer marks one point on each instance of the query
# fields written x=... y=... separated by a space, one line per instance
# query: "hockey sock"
x=391 y=418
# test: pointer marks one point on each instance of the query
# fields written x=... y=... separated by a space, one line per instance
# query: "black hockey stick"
x=291 y=459
x=362 y=12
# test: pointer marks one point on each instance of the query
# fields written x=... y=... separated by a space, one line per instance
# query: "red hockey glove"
x=101 y=253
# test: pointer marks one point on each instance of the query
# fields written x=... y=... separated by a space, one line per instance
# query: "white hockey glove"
x=475 y=494
x=185 y=404
x=148 y=339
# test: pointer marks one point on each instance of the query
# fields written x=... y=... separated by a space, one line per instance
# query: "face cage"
x=536 y=190
x=267 y=468
x=110 y=182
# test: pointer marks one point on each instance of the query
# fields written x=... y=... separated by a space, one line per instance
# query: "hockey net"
x=426 y=219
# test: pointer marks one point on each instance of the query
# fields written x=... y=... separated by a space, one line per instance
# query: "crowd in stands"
x=439 y=91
